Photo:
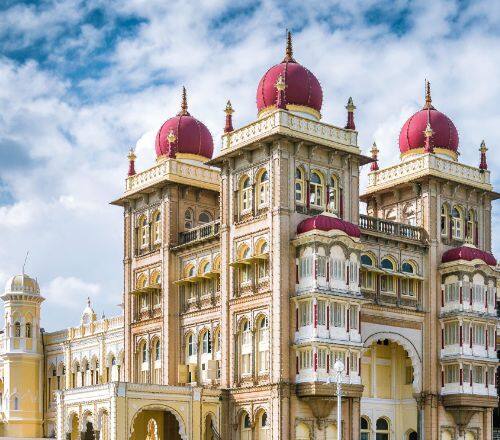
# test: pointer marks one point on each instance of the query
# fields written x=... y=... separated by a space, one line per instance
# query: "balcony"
x=199 y=233
x=393 y=229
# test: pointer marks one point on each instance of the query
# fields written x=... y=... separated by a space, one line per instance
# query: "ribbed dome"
x=444 y=133
x=302 y=92
x=323 y=222
x=22 y=284
x=468 y=253
x=184 y=134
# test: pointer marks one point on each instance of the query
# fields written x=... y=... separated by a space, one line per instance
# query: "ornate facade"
x=249 y=275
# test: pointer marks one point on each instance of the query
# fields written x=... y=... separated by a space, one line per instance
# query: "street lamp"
x=338 y=367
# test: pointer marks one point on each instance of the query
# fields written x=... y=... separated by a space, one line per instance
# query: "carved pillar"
x=355 y=418
x=487 y=422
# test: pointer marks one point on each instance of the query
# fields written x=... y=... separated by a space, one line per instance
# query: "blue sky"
x=83 y=81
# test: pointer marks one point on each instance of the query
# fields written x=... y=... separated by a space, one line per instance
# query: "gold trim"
x=190 y=156
x=414 y=151
x=292 y=108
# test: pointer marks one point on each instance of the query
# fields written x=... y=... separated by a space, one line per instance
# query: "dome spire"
x=289 y=48
x=131 y=162
x=483 y=164
x=374 y=151
x=184 y=104
x=428 y=98
x=229 y=117
x=350 y=107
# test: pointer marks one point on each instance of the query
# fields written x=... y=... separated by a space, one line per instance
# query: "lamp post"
x=338 y=367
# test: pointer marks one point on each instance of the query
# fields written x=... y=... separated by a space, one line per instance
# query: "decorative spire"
x=289 y=48
x=184 y=104
x=88 y=302
x=374 y=151
x=350 y=115
x=280 y=87
x=428 y=98
x=131 y=162
x=229 y=117
x=483 y=165
x=428 y=148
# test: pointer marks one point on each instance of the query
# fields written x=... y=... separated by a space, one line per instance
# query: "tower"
x=22 y=358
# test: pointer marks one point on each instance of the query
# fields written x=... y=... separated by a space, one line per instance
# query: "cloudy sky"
x=83 y=81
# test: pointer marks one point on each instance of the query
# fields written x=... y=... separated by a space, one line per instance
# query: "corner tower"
x=22 y=358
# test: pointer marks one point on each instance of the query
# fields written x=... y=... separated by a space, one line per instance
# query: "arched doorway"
x=73 y=427
x=157 y=423
x=210 y=429
x=390 y=374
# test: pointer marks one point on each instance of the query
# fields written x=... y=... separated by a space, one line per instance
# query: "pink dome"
x=444 y=132
x=468 y=253
x=188 y=136
x=327 y=223
x=302 y=87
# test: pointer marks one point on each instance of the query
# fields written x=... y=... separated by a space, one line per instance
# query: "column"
x=487 y=422
x=67 y=362
x=355 y=418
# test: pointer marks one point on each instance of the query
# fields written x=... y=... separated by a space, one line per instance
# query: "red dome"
x=327 y=223
x=302 y=87
x=444 y=133
x=187 y=136
x=468 y=253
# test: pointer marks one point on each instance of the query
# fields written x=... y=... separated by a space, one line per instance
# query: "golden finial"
x=428 y=98
x=171 y=138
x=483 y=165
x=280 y=83
x=184 y=105
x=289 y=47
x=374 y=150
x=483 y=148
x=131 y=155
x=229 y=108
x=428 y=130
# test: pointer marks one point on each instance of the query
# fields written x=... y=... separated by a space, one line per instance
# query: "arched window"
x=246 y=347
x=15 y=403
x=245 y=268
x=387 y=282
x=365 y=429
x=157 y=227
x=188 y=219
x=206 y=343
x=246 y=427
x=263 y=429
x=333 y=195
x=457 y=223
x=412 y=435
x=263 y=345
x=17 y=329
x=302 y=432
x=317 y=190
x=246 y=194
x=143 y=232
x=366 y=260
x=262 y=250
x=382 y=426
x=144 y=352
x=299 y=185
x=157 y=350
x=367 y=278
x=262 y=188
x=471 y=226
x=407 y=267
x=204 y=218
x=191 y=346
x=445 y=221
x=28 y=330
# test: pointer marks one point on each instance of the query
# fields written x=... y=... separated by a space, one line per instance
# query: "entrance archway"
x=157 y=422
x=388 y=373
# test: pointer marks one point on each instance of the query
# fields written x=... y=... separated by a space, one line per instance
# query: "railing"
x=200 y=233
x=391 y=228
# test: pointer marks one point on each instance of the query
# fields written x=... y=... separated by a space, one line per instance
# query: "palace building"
x=250 y=273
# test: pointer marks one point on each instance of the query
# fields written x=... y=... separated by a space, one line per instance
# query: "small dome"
x=324 y=222
x=444 y=137
x=302 y=92
x=88 y=314
x=184 y=135
x=468 y=253
x=22 y=284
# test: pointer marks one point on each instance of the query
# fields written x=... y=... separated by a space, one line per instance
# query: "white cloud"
x=72 y=135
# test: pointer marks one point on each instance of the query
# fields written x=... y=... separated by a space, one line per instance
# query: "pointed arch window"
x=457 y=223
x=157 y=227
x=263 y=345
x=246 y=348
x=317 y=190
x=262 y=188
x=191 y=346
x=246 y=194
x=299 y=185
x=28 y=330
x=333 y=195
x=471 y=226
x=144 y=353
x=157 y=350
x=17 y=329
x=206 y=343
x=143 y=232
